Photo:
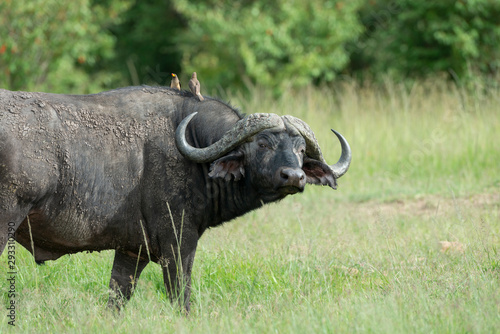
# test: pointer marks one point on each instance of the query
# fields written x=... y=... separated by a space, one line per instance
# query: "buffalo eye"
x=263 y=145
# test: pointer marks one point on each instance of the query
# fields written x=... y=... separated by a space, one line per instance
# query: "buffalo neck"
x=223 y=200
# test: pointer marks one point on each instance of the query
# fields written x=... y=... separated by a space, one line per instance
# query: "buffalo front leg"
x=177 y=276
x=124 y=276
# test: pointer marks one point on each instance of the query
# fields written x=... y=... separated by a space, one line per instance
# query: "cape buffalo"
x=144 y=171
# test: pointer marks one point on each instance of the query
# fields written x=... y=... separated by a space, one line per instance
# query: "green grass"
x=364 y=258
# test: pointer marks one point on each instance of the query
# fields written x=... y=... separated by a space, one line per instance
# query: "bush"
x=408 y=38
x=275 y=44
x=56 y=46
x=145 y=48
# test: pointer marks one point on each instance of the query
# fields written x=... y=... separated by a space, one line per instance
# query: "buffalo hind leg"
x=9 y=222
x=124 y=276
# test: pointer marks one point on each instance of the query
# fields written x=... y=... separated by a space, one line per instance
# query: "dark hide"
x=96 y=172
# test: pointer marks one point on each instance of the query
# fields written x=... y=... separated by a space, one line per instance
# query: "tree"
x=275 y=44
x=57 y=46
x=146 y=42
x=407 y=38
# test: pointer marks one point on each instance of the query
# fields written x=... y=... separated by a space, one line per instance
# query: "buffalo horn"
x=241 y=131
x=313 y=150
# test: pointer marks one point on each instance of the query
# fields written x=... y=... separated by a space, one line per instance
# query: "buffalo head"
x=276 y=155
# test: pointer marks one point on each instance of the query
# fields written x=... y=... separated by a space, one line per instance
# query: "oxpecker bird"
x=175 y=83
x=194 y=85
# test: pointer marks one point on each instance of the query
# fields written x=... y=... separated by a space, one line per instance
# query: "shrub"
x=417 y=38
x=56 y=46
x=275 y=44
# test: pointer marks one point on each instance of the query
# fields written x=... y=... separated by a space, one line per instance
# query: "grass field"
x=409 y=243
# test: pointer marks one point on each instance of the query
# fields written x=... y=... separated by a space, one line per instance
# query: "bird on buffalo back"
x=175 y=83
x=194 y=85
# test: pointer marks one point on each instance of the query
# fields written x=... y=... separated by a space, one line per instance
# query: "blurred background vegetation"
x=414 y=87
x=86 y=46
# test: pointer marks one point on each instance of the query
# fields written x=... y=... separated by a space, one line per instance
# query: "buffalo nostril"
x=293 y=177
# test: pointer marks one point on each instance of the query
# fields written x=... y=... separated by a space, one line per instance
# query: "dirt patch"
x=430 y=205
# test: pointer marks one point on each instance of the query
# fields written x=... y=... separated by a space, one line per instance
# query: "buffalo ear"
x=230 y=164
x=318 y=172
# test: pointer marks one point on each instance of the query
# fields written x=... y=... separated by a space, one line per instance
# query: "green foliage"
x=87 y=45
x=276 y=45
x=57 y=46
x=146 y=42
x=407 y=38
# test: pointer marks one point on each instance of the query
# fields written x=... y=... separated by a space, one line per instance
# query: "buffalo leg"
x=124 y=276
x=9 y=222
x=177 y=277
